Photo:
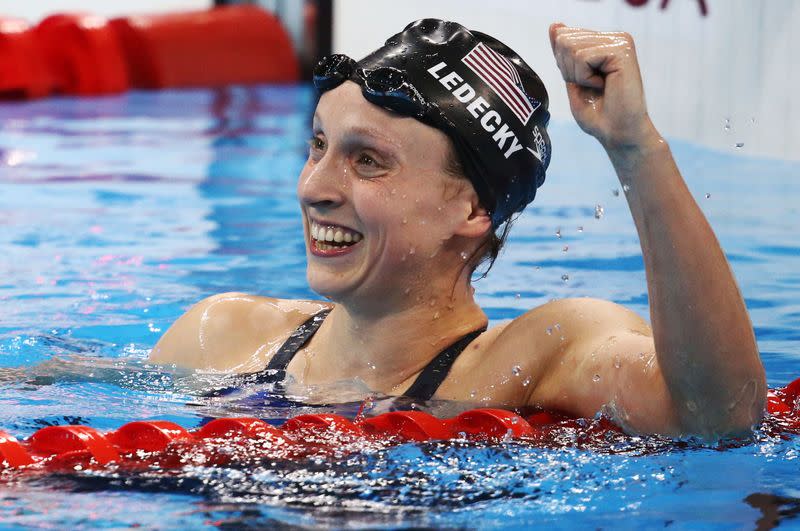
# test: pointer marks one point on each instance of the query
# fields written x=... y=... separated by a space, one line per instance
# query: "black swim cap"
x=476 y=89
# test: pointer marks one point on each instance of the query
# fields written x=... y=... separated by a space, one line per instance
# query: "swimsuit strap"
x=276 y=369
x=422 y=389
x=439 y=367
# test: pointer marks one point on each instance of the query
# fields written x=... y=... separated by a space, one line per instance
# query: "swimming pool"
x=118 y=213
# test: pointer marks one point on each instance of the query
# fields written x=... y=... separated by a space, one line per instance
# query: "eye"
x=365 y=159
x=316 y=146
x=369 y=165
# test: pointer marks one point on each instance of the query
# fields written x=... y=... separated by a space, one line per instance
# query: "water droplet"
x=598 y=211
x=708 y=196
x=404 y=221
x=526 y=381
x=558 y=326
x=727 y=125
x=641 y=355
x=753 y=120
x=407 y=291
x=565 y=249
x=518 y=295
x=626 y=188
x=558 y=232
x=436 y=315
x=371 y=366
x=516 y=370
x=691 y=406
x=565 y=277
x=615 y=192
x=580 y=228
x=473 y=393
x=394 y=191
x=739 y=145
x=596 y=378
x=412 y=251
x=548 y=330
x=617 y=362
x=464 y=255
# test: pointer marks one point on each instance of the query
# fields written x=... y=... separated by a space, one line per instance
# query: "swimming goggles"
x=385 y=86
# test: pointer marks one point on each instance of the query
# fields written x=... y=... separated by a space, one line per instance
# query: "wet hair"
x=494 y=241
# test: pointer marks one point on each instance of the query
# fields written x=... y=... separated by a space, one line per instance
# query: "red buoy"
x=78 y=441
x=407 y=426
x=150 y=436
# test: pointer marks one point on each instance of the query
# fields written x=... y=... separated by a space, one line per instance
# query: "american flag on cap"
x=501 y=75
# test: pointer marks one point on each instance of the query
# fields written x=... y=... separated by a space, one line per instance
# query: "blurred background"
x=718 y=73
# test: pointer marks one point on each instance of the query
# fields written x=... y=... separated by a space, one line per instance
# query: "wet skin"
x=400 y=290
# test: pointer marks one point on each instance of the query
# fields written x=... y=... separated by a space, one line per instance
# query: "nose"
x=322 y=185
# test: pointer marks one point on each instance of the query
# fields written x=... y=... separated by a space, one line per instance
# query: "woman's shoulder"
x=509 y=361
x=537 y=336
x=575 y=312
x=228 y=331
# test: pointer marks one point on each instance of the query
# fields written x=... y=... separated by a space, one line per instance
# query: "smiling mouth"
x=332 y=238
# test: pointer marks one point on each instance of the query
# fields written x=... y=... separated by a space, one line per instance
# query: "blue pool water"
x=116 y=214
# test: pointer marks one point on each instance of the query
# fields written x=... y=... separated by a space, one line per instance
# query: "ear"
x=477 y=222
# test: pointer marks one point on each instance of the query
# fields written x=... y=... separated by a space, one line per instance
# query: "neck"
x=386 y=348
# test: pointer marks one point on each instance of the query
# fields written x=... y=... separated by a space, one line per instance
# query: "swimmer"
x=420 y=156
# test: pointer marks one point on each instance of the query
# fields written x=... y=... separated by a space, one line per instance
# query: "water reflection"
x=774 y=509
x=258 y=149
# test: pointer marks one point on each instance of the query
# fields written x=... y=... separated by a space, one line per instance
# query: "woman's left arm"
x=704 y=341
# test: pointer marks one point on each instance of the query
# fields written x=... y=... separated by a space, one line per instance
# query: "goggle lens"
x=332 y=71
x=386 y=87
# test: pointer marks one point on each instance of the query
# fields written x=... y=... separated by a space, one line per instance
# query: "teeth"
x=332 y=235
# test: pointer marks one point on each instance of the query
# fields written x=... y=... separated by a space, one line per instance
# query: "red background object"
x=24 y=73
x=82 y=54
x=224 y=45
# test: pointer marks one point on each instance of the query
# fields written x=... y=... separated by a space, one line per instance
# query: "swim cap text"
x=479 y=108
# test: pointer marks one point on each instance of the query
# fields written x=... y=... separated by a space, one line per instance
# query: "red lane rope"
x=142 y=445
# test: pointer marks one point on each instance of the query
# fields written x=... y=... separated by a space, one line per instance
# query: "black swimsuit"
x=423 y=387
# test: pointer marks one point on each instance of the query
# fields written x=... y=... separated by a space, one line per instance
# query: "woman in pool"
x=421 y=153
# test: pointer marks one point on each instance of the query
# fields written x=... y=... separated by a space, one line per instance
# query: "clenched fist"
x=604 y=85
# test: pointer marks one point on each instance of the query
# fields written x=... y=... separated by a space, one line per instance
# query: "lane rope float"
x=148 y=444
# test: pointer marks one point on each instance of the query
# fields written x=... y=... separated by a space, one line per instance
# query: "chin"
x=327 y=285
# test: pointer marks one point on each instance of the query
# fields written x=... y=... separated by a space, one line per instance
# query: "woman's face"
x=375 y=183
